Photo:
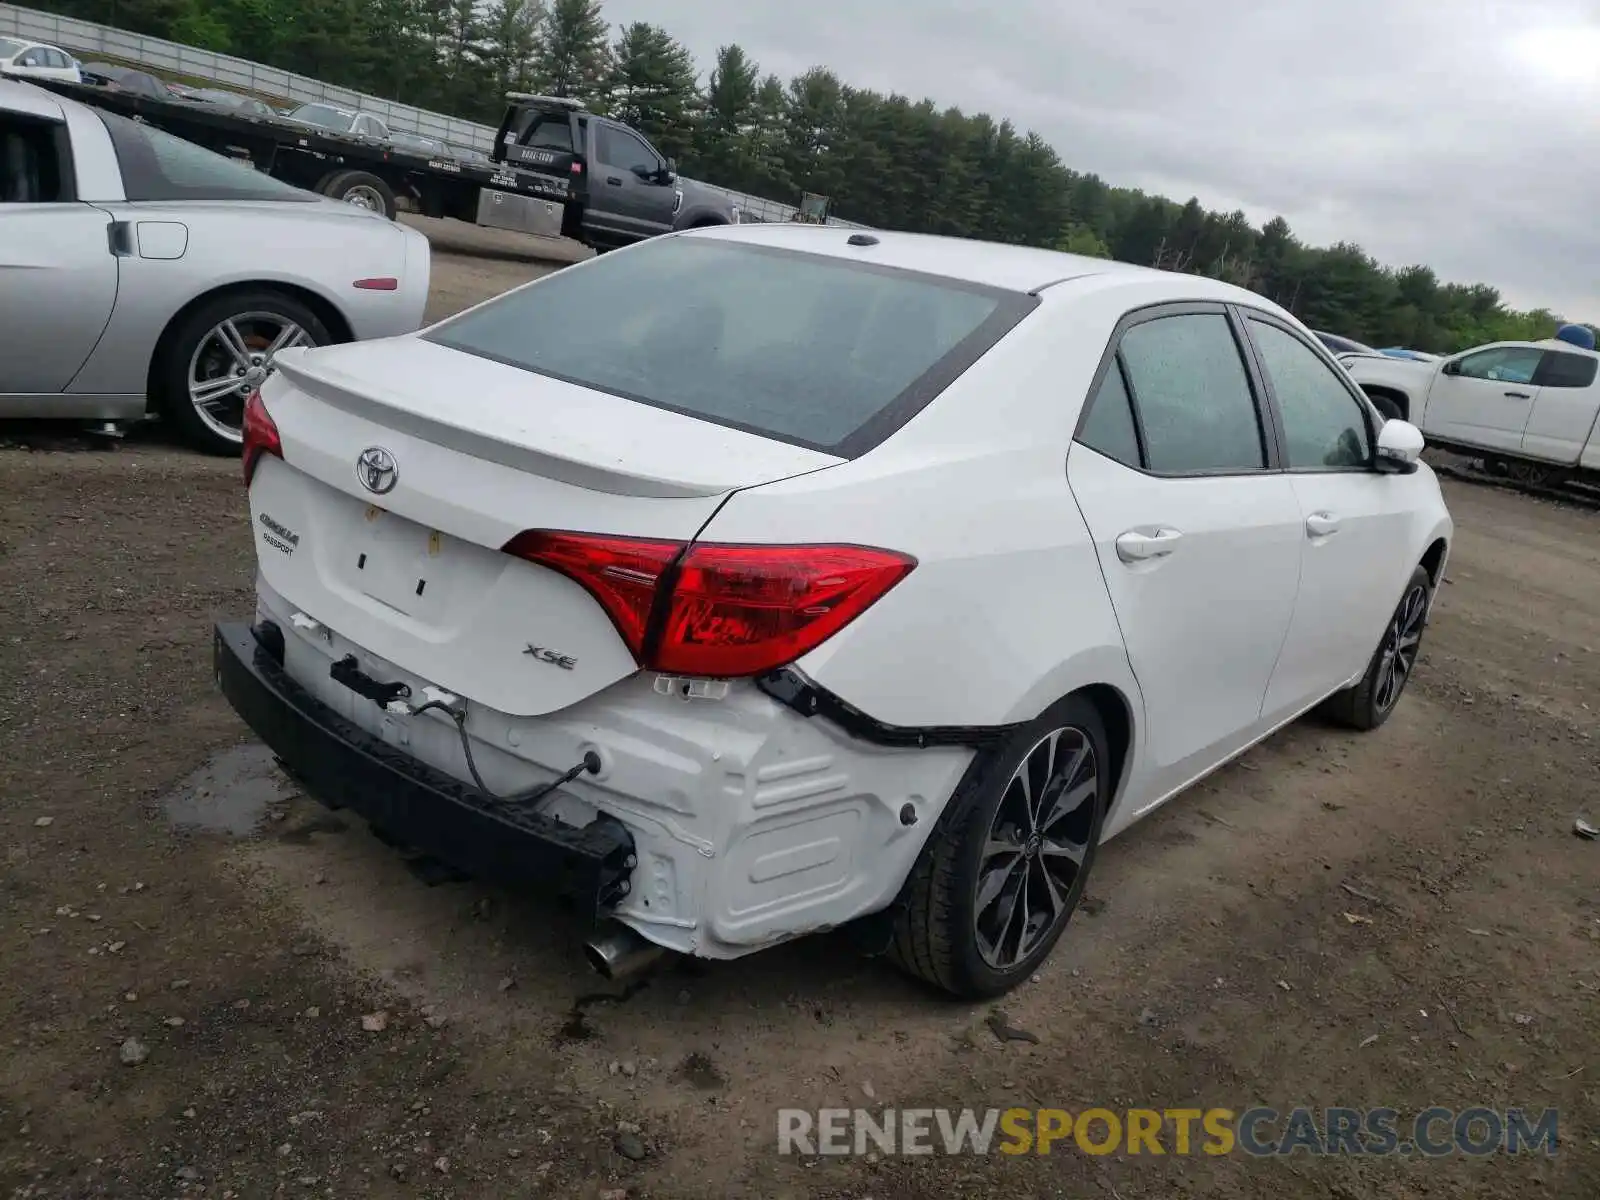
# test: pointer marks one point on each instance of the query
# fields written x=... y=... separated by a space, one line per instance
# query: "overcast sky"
x=1464 y=134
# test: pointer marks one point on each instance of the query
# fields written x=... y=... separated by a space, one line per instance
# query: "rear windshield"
x=820 y=352
x=158 y=166
x=9 y=47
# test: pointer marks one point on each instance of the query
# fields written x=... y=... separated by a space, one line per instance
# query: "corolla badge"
x=377 y=470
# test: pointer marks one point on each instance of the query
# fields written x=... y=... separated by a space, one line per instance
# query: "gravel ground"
x=213 y=987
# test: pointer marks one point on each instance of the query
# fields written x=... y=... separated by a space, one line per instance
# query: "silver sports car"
x=142 y=275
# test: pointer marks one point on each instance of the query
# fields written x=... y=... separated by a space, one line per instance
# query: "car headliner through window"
x=807 y=349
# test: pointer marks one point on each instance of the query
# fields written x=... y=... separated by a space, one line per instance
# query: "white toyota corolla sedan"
x=869 y=575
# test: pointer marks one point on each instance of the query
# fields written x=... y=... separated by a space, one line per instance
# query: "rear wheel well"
x=1433 y=560
x=326 y=312
x=1400 y=401
x=1118 y=720
x=705 y=222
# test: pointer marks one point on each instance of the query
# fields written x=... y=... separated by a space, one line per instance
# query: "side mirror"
x=1453 y=367
x=1399 y=448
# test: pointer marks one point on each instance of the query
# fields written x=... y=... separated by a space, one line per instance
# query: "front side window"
x=158 y=166
x=31 y=166
x=808 y=349
x=619 y=148
x=1192 y=395
x=1502 y=364
x=324 y=115
x=1322 y=422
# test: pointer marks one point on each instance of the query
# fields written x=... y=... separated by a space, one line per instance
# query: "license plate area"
x=400 y=564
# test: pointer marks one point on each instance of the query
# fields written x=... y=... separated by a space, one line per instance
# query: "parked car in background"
x=126 y=79
x=247 y=106
x=341 y=120
x=1343 y=345
x=35 y=60
x=1531 y=409
x=164 y=279
x=1414 y=355
x=653 y=602
x=421 y=145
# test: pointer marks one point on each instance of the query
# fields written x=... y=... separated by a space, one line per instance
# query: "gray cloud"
x=1422 y=129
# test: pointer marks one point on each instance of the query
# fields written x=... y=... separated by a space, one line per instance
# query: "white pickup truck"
x=1530 y=409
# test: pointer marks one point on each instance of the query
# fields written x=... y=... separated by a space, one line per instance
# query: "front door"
x=58 y=281
x=1487 y=400
x=626 y=186
x=1355 y=522
x=1198 y=541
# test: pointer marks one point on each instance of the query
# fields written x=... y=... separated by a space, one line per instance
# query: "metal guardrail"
x=89 y=40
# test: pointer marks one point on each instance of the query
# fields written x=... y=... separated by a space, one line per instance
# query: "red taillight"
x=577 y=168
x=260 y=435
x=621 y=573
x=385 y=283
x=718 y=610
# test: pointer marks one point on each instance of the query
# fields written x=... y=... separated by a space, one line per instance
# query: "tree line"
x=885 y=160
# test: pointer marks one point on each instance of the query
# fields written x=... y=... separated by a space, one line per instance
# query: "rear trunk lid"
x=401 y=554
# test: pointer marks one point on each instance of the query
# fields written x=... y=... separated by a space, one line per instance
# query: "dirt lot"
x=1401 y=919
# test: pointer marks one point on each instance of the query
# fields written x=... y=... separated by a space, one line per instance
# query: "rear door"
x=1484 y=398
x=627 y=191
x=1197 y=532
x=1355 y=521
x=1565 y=407
x=58 y=276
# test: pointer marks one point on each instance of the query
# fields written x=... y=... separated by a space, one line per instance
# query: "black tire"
x=362 y=188
x=181 y=348
x=1371 y=702
x=936 y=935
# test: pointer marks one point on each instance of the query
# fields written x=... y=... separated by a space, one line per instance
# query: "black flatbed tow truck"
x=555 y=169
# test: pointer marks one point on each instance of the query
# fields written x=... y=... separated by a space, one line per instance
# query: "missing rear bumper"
x=342 y=766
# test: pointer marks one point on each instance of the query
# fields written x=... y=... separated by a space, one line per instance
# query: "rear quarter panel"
x=225 y=245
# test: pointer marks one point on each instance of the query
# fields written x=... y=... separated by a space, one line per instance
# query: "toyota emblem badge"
x=377 y=470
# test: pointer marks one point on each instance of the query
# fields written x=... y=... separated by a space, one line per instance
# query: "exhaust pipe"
x=617 y=952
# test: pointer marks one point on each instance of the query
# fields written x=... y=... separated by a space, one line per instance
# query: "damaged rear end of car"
x=494 y=617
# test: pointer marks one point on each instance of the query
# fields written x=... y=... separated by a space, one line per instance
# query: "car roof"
x=990 y=264
x=25 y=98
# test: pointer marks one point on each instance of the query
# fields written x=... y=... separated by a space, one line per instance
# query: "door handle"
x=1519 y=395
x=614 y=180
x=1138 y=546
x=1322 y=524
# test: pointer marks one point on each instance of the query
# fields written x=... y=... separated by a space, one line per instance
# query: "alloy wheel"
x=233 y=360
x=1035 y=850
x=1400 y=647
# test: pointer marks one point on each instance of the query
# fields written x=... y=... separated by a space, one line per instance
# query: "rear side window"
x=1192 y=395
x=158 y=166
x=1566 y=370
x=1108 y=426
x=817 y=351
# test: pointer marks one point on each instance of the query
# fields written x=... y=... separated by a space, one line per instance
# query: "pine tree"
x=652 y=86
x=573 y=54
